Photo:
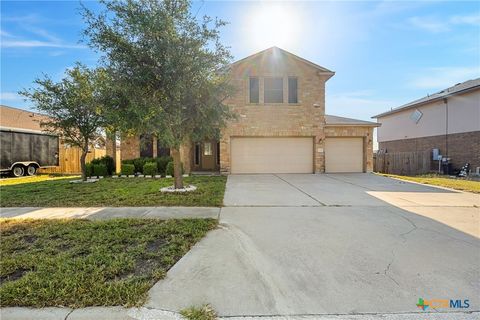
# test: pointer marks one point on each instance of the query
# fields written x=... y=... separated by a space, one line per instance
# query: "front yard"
x=45 y=191
x=441 y=181
x=78 y=263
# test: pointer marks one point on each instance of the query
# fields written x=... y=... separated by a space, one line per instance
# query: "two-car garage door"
x=272 y=154
x=294 y=155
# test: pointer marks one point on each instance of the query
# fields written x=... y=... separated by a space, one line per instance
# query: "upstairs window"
x=254 y=90
x=292 y=90
x=273 y=90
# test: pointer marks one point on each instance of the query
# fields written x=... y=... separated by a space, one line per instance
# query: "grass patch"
x=442 y=181
x=205 y=312
x=79 y=263
x=128 y=192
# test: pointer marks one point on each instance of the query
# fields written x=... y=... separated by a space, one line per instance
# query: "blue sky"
x=384 y=53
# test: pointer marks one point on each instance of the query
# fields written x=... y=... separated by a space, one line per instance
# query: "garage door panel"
x=272 y=155
x=343 y=155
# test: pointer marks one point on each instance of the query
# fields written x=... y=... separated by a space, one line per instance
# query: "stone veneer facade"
x=303 y=119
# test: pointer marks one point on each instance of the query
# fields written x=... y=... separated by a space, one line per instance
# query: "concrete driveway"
x=330 y=244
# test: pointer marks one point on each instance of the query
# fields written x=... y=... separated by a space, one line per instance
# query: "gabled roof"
x=277 y=49
x=454 y=90
x=342 y=121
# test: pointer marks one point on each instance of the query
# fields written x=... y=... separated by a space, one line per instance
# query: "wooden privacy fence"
x=69 y=160
x=403 y=163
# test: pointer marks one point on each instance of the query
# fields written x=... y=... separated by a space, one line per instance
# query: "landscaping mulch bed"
x=79 y=263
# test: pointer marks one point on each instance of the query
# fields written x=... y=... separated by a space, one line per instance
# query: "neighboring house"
x=69 y=157
x=14 y=118
x=448 y=120
x=281 y=125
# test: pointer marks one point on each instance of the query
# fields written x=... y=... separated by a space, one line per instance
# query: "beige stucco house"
x=281 y=125
x=448 y=120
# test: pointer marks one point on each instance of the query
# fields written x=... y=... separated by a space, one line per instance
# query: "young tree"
x=169 y=65
x=73 y=105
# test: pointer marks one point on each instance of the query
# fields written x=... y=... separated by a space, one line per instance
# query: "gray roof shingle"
x=342 y=121
x=456 y=89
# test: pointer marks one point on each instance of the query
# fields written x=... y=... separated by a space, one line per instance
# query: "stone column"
x=154 y=146
x=130 y=146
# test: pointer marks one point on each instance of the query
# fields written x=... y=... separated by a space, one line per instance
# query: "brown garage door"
x=272 y=155
x=344 y=155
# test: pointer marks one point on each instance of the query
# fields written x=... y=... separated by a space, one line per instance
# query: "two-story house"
x=281 y=125
x=447 y=121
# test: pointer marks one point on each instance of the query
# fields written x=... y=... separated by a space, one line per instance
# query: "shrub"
x=89 y=169
x=150 y=168
x=128 y=161
x=107 y=161
x=100 y=170
x=128 y=169
x=169 y=169
x=140 y=162
x=162 y=163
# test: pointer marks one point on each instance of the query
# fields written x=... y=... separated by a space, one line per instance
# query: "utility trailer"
x=23 y=151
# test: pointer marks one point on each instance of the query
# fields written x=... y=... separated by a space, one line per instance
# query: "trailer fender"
x=25 y=164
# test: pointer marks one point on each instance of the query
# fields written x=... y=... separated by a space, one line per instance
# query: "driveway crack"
x=294 y=186
x=414 y=227
x=387 y=269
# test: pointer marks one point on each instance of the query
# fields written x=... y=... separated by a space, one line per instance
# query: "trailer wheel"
x=18 y=171
x=31 y=170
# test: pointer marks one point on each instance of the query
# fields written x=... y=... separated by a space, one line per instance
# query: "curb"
x=143 y=313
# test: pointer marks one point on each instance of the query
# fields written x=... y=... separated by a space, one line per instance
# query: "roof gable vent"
x=416 y=116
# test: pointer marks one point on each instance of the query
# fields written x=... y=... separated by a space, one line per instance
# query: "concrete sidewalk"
x=119 y=313
x=98 y=213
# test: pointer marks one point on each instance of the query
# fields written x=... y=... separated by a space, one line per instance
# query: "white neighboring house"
x=448 y=120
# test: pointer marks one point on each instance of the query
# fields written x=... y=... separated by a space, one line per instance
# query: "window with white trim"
x=273 y=90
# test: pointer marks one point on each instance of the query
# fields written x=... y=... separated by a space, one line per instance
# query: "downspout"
x=445 y=101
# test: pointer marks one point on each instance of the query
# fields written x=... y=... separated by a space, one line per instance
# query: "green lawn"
x=111 y=192
x=441 y=181
x=78 y=263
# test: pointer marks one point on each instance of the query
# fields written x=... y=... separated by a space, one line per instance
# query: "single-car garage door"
x=344 y=155
x=272 y=155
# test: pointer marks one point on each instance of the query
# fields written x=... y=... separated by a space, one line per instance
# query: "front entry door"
x=208 y=155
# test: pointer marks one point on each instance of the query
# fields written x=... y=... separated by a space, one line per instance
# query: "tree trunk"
x=177 y=169
x=82 y=163
x=114 y=151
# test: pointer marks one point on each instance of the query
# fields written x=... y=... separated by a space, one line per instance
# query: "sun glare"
x=273 y=24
